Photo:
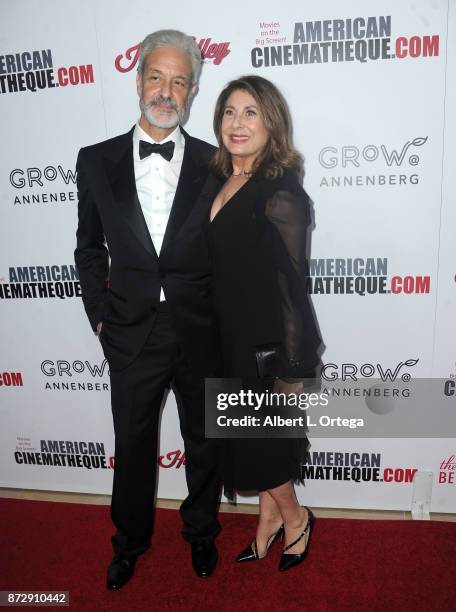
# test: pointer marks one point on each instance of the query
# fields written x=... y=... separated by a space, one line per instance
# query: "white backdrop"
x=378 y=140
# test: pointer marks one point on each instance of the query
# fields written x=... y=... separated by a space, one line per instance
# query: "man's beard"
x=172 y=122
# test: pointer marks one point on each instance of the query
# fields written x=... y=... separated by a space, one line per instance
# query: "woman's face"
x=243 y=131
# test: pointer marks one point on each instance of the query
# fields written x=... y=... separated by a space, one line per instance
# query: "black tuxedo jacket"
x=119 y=269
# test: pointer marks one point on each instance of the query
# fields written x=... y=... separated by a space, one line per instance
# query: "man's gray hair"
x=171 y=38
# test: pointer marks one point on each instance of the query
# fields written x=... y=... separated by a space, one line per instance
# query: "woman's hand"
x=280 y=386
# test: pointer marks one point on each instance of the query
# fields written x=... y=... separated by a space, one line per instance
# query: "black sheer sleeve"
x=289 y=215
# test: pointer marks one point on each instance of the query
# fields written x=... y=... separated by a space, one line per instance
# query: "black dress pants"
x=137 y=394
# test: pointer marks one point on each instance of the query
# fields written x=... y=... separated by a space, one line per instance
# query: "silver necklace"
x=243 y=173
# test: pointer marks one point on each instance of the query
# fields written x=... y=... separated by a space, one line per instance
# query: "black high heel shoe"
x=251 y=552
x=289 y=560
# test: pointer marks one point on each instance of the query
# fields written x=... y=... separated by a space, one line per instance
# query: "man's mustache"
x=163 y=100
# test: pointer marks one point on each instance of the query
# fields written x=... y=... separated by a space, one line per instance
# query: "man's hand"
x=280 y=386
x=99 y=328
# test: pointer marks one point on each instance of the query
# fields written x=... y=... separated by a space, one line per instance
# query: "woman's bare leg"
x=294 y=517
x=269 y=521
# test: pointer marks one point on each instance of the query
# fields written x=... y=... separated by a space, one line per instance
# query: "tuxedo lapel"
x=122 y=177
x=191 y=179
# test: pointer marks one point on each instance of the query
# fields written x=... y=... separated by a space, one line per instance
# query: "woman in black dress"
x=257 y=238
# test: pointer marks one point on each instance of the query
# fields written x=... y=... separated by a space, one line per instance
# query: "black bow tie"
x=166 y=150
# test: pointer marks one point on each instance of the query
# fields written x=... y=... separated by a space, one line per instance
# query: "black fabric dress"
x=257 y=243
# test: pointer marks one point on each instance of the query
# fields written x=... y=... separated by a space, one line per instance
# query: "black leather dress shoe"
x=120 y=570
x=204 y=557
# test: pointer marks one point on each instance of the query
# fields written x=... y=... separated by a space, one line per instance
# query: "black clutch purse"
x=268 y=361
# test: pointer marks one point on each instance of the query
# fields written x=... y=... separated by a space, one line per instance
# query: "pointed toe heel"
x=251 y=552
x=248 y=554
x=289 y=560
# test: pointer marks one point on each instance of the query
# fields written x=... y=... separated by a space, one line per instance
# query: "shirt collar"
x=176 y=136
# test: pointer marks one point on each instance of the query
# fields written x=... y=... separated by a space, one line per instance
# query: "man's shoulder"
x=106 y=146
x=203 y=149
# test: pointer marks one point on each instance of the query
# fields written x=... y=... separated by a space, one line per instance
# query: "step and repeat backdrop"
x=372 y=91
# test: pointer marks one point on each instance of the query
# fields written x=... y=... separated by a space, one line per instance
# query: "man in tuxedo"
x=145 y=279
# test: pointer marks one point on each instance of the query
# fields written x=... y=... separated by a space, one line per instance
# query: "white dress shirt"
x=156 y=184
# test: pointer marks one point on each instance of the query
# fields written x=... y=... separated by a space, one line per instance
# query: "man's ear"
x=193 y=91
x=138 y=84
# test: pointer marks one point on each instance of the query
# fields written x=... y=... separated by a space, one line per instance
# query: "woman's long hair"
x=279 y=153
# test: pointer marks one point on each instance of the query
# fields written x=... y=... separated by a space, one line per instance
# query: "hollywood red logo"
x=175 y=459
x=214 y=52
x=448 y=470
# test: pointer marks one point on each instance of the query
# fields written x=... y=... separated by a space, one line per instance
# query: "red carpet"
x=353 y=565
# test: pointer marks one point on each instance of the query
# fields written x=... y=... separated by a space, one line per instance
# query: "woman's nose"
x=237 y=120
